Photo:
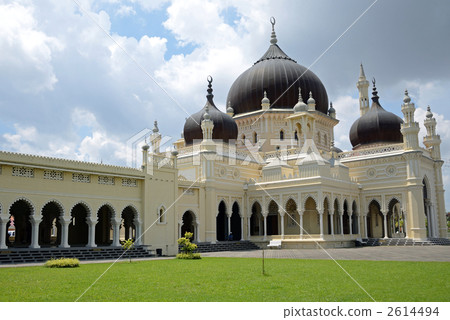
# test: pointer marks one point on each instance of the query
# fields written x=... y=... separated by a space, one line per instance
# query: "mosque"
x=265 y=170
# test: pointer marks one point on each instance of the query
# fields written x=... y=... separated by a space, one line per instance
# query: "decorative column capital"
x=64 y=220
x=34 y=219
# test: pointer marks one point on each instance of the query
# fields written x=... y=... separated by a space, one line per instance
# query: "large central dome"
x=275 y=73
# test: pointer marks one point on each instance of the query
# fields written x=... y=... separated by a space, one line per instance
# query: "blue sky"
x=67 y=90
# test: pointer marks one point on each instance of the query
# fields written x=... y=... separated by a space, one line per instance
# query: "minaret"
x=363 y=88
x=155 y=138
x=332 y=111
x=265 y=102
x=409 y=128
x=432 y=140
x=207 y=126
x=311 y=103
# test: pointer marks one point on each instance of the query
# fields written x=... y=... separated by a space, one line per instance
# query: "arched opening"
x=296 y=135
x=222 y=222
x=346 y=218
x=375 y=221
x=50 y=227
x=395 y=220
x=327 y=217
x=103 y=228
x=161 y=215
x=336 y=217
x=429 y=221
x=256 y=221
x=298 y=126
x=188 y=224
x=281 y=135
x=78 y=227
x=355 y=220
x=291 y=218
x=19 y=226
x=236 y=231
x=255 y=137
x=127 y=226
x=272 y=219
x=243 y=139
x=311 y=223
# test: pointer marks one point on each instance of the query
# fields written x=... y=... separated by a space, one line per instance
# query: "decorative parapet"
x=393 y=148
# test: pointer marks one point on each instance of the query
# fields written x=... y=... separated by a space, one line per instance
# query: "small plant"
x=62 y=263
x=187 y=247
x=128 y=245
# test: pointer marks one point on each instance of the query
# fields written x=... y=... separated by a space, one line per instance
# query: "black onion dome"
x=225 y=128
x=376 y=126
x=274 y=73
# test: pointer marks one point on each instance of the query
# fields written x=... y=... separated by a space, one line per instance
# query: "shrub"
x=127 y=246
x=62 y=263
x=191 y=256
x=187 y=247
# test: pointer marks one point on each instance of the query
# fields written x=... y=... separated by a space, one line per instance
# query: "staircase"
x=372 y=242
x=16 y=256
x=226 y=246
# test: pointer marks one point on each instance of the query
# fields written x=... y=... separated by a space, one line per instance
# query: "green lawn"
x=231 y=279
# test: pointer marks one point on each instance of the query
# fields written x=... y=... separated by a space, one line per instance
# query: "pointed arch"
x=103 y=228
x=235 y=228
x=78 y=227
x=129 y=217
x=222 y=222
x=20 y=212
x=311 y=216
x=281 y=135
x=375 y=220
x=50 y=226
x=256 y=219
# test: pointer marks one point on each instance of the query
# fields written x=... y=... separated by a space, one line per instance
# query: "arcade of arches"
x=51 y=228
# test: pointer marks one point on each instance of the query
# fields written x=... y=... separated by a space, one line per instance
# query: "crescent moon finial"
x=210 y=79
x=272 y=21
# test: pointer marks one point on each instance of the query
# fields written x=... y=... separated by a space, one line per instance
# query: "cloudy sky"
x=79 y=78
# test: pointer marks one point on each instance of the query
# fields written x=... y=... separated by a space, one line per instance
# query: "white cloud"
x=347 y=111
x=125 y=11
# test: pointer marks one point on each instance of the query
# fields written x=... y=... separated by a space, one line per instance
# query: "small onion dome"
x=300 y=106
x=276 y=73
x=331 y=110
x=265 y=100
x=145 y=147
x=230 y=108
x=376 y=126
x=225 y=128
x=429 y=114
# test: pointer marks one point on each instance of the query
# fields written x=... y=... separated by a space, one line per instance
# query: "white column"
x=180 y=224
x=282 y=225
x=435 y=222
x=366 y=232
x=197 y=232
x=137 y=224
x=91 y=238
x=242 y=229
x=265 y=226
x=341 y=218
x=321 y=223
x=35 y=231
x=301 y=224
x=3 y=222
x=248 y=228
x=332 y=223
x=350 y=224
x=229 y=225
x=116 y=232
x=385 y=225
x=64 y=221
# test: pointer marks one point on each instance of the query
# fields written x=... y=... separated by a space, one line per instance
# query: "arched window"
x=281 y=135
x=295 y=135
x=243 y=139
x=255 y=137
x=161 y=215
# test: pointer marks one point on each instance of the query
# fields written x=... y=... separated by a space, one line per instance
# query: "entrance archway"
x=375 y=221
x=188 y=224
x=355 y=220
x=272 y=219
x=78 y=227
x=346 y=218
x=127 y=226
x=291 y=218
x=19 y=222
x=222 y=222
x=256 y=221
x=50 y=227
x=236 y=222
x=311 y=223
x=103 y=228
x=395 y=220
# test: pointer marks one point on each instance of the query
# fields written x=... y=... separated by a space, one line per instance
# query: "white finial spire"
x=273 y=38
x=362 y=75
x=406 y=99
x=155 y=127
x=300 y=106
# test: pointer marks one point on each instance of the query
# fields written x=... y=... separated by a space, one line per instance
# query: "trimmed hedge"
x=191 y=256
x=62 y=263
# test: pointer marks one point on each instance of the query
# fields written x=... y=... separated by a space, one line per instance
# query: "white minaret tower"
x=155 y=138
x=363 y=88
x=410 y=128
x=432 y=140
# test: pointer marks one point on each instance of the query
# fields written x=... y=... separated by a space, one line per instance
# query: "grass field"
x=231 y=279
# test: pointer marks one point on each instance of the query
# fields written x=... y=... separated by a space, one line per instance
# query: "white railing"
x=371 y=151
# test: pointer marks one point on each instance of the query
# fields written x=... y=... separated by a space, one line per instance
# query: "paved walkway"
x=426 y=253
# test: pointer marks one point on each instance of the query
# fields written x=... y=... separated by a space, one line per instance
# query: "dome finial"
x=300 y=106
x=210 y=80
x=429 y=113
x=406 y=99
x=362 y=75
x=375 y=96
x=265 y=102
x=273 y=37
x=155 y=127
